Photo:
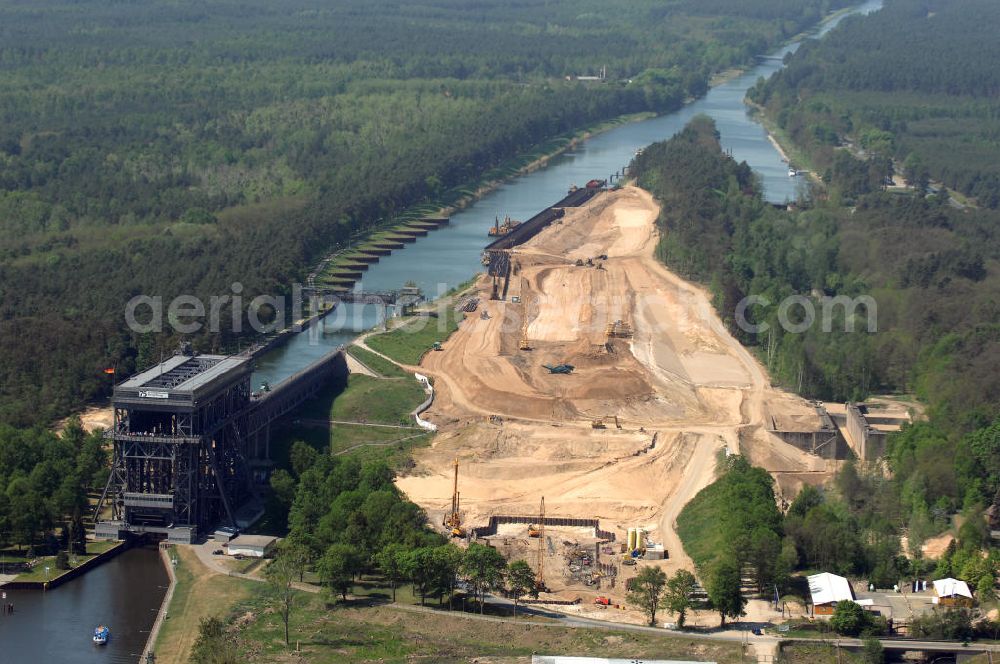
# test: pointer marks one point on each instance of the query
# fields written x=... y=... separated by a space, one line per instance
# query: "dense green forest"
x=915 y=84
x=931 y=270
x=166 y=148
x=44 y=481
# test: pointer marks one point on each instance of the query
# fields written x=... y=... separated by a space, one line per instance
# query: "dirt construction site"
x=656 y=392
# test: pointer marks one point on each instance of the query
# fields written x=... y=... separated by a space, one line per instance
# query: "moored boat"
x=507 y=226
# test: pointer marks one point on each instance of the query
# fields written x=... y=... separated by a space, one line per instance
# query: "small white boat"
x=101 y=635
x=792 y=172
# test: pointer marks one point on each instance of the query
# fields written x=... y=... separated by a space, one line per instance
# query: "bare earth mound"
x=683 y=389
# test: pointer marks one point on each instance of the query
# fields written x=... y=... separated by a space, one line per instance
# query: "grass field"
x=341 y=437
x=199 y=594
x=322 y=632
x=370 y=443
x=817 y=653
x=357 y=633
x=38 y=573
x=407 y=343
x=366 y=399
x=384 y=401
x=377 y=363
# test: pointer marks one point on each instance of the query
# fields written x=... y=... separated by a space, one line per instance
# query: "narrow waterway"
x=450 y=256
x=57 y=625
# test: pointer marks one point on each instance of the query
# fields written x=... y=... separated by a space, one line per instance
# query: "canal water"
x=450 y=256
x=57 y=625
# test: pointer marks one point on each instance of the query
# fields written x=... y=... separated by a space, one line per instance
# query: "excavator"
x=600 y=424
x=619 y=329
x=454 y=519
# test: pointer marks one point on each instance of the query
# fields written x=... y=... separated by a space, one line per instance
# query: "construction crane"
x=454 y=519
x=540 y=575
x=524 y=343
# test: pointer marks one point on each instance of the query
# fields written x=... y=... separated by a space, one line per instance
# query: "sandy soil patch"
x=684 y=390
x=94 y=417
x=935 y=547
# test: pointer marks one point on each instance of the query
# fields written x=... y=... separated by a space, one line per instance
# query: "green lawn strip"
x=407 y=343
x=199 y=593
x=346 y=436
x=377 y=363
x=378 y=400
x=38 y=573
x=817 y=653
x=365 y=443
x=366 y=399
x=796 y=155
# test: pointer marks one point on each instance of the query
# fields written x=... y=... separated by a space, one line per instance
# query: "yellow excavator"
x=600 y=424
x=454 y=519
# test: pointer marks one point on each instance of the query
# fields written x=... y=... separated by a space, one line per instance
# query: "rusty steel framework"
x=187 y=435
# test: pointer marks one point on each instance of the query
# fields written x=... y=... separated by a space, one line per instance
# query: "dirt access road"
x=684 y=390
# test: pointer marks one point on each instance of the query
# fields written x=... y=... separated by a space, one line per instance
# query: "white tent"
x=952 y=587
x=827 y=588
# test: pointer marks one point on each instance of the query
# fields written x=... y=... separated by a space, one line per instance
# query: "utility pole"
x=540 y=576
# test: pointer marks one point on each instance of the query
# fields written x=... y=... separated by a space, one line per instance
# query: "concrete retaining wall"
x=161 y=615
x=491 y=528
x=70 y=574
x=869 y=443
x=825 y=441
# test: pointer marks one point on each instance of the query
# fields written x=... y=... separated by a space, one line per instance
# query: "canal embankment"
x=59 y=577
x=161 y=615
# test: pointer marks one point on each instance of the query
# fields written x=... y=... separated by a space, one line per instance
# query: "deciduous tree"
x=677 y=598
x=648 y=591
x=483 y=568
x=337 y=568
x=520 y=582
x=725 y=589
x=281 y=573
